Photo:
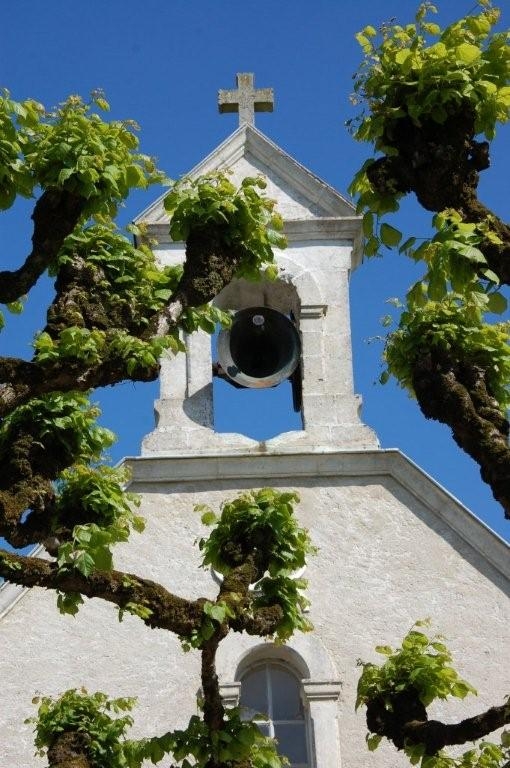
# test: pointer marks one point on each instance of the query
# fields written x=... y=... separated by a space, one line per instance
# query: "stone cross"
x=246 y=99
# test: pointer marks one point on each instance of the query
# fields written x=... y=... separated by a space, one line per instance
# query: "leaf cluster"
x=287 y=592
x=424 y=72
x=246 y=218
x=72 y=148
x=260 y=520
x=484 y=755
x=262 y=523
x=64 y=421
x=454 y=327
x=92 y=715
x=214 y=614
x=98 y=496
x=17 y=124
x=194 y=747
x=129 y=273
x=421 y=663
x=455 y=262
x=205 y=318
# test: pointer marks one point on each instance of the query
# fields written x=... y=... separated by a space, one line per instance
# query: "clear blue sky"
x=161 y=62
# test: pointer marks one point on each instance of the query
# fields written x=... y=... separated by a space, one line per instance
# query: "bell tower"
x=296 y=327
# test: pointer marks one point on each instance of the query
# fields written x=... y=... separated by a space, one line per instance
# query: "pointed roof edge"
x=249 y=138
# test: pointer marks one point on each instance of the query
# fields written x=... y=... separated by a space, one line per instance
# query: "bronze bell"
x=260 y=349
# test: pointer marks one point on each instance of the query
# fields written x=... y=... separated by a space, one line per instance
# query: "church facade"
x=393 y=546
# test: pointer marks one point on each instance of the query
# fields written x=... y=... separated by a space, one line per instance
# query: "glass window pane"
x=285 y=691
x=254 y=693
x=292 y=741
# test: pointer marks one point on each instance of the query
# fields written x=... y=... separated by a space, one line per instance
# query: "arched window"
x=295 y=685
x=272 y=690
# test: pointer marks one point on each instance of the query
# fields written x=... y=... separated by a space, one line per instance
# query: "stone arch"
x=272 y=653
x=304 y=652
x=278 y=294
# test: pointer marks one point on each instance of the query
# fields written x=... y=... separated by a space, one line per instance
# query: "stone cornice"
x=322 y=690
x=341 y=231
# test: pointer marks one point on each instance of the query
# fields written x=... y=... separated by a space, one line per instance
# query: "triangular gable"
x=247 y=152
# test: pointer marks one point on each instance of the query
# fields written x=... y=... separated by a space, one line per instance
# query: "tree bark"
x=406 y=722
x=69 y=751
x=168 y=611
x=457 y=395
x=55 y=215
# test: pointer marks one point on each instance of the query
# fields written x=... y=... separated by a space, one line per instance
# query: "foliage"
x=64 y=421
x=107 y=747
x=130 y=271
x=72 y=148
x=206 y=318
x=421 y=662
x=99 y=495
x=454 y=327
x=214 y=615
x=260 y=524
x=484 y=755
x=427 y=93
x=421 y=72
x=87 y=714
x=423 y=665
x=432 y=71
x=287 y=592
x=17 y=123
x=262 y=519
x=247 y=220
x=237 y=742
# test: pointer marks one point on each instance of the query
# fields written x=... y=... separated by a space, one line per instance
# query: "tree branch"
x=406 y=722
x=440 y=163
x=168 y=611
x=69 y=750
x=55 y=215
x=457 y=395
x=21 y=380
x=436 y=735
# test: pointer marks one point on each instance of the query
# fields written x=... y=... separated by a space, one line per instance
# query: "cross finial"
x=246 y=99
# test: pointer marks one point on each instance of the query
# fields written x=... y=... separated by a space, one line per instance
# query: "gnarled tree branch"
x=55 y=215
x=440 y=163
x=168 y=611
x=406 y=722
x=456 y=395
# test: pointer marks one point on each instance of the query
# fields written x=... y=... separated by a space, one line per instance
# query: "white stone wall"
x=385 y=559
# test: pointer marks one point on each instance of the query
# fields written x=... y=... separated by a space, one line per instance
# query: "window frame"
x=265 y=665
x=306 y=657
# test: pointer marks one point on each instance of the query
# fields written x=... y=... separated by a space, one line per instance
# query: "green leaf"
x=373 y=742
x=467 y=53
x=390 y=236
x=385 y=650
x=492 y=276
x=368 y=224
x=384 y=377
x=208 y=518
x=497 y=303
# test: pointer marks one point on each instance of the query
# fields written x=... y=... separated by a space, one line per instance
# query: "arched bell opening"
x=257 y=378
